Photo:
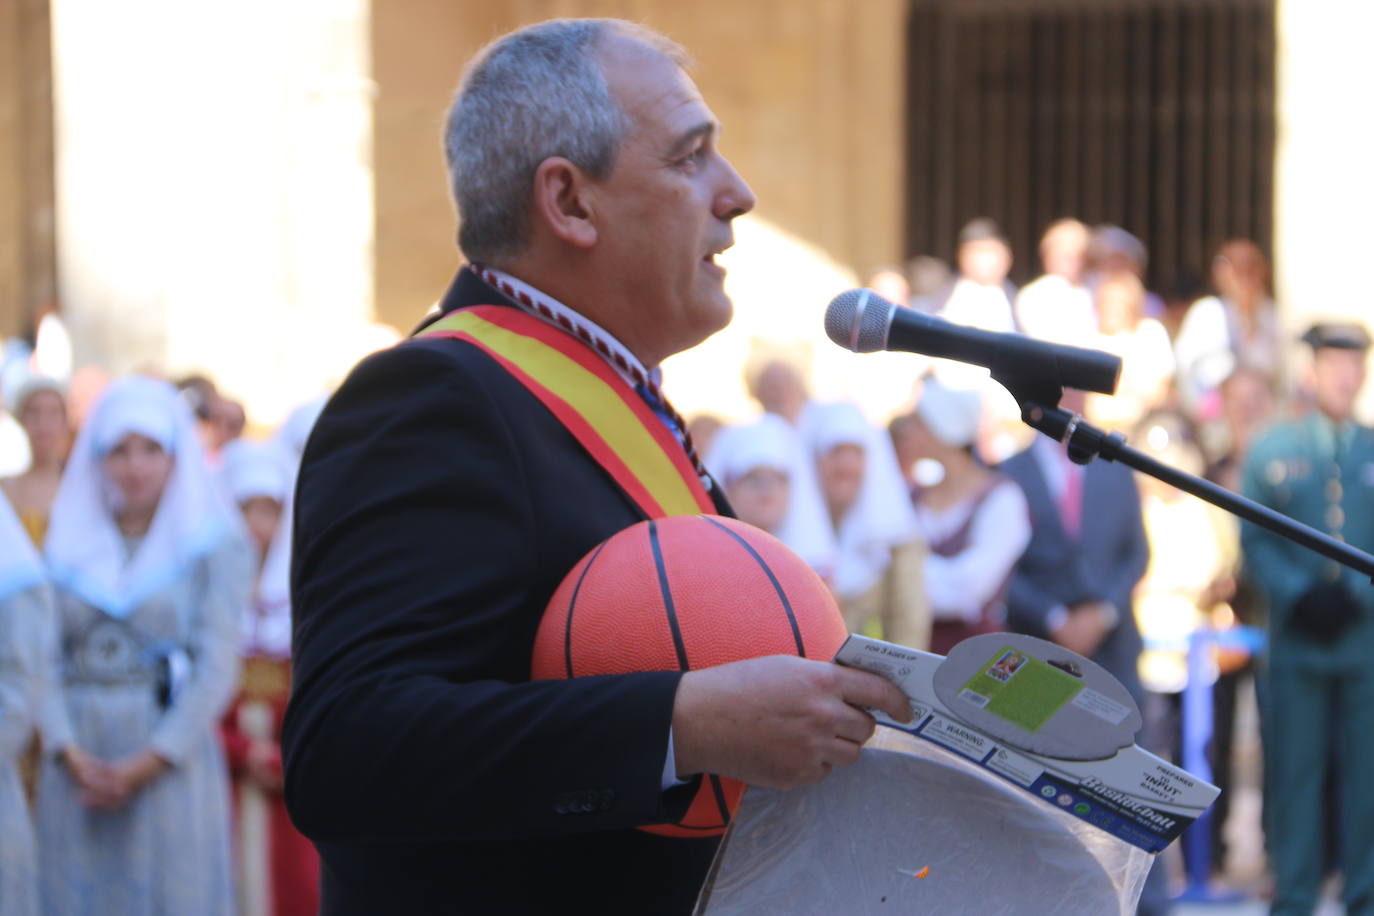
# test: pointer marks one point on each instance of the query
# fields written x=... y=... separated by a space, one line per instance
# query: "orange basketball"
x=681 y=593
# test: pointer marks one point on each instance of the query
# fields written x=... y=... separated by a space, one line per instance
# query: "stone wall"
x=27 y=268
x=809 y=92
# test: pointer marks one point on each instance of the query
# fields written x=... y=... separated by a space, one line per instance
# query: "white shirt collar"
x=562 y=311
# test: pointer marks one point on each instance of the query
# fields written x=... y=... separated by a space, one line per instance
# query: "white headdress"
x=770 y=442
x=882 y=515
x=270 y=633
x=85 y=552
x=31 y=386
x=254 y=469
x=251 y=469
x=20 y=566
x=951 y=414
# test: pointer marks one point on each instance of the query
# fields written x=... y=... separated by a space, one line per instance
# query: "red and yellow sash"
x=606 y=416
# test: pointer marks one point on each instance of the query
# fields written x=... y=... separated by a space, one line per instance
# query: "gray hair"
x=530 y=95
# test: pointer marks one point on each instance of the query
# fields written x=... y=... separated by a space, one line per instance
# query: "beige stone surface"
x=27 y=272
x=1323 y=186
x=810 y=93
x=214 y=191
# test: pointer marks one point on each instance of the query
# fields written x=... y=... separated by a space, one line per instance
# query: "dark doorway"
x=1157 y=116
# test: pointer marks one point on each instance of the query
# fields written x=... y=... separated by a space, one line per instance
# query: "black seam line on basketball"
x=719 y=791
x=667 y=598
x=572 y=603
x=777 y=586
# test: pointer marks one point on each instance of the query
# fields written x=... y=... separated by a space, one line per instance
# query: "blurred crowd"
x=937 y=511
x=144 y=555
x=956 y=520
x=145 y=635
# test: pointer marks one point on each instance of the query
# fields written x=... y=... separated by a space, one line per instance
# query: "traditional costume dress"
x=25 y=648
x=148 y=630
x=33 y=518
x=278 y=868
x=974 y=543
x=878 y=563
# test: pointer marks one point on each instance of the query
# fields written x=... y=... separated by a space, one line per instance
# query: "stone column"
x=215 y=189
x=27 y=273
x=1323 y=179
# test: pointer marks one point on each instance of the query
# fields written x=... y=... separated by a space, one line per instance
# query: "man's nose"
x=735 y=197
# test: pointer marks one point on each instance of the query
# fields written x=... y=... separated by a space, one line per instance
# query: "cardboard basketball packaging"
x=1017 y=787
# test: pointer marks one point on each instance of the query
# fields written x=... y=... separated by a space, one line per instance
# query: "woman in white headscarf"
x=40 y=405
x=25 y=648
x=151 y=573
x=877 y=571
x=772 y=486
x=974 y=521
x=278 y=867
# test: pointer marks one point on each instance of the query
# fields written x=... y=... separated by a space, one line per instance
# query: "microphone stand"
x=1039 y=409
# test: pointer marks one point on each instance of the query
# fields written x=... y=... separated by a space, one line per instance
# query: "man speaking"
x=449 y=486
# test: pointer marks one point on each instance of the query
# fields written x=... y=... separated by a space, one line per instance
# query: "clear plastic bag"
x=911 y=828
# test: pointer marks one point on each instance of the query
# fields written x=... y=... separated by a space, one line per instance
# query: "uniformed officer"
x=1317 y=681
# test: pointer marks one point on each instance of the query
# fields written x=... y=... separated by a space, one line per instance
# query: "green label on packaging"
x=1023 y=690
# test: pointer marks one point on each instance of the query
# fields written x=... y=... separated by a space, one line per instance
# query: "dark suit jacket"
x=438 y=508
x=1103 y=564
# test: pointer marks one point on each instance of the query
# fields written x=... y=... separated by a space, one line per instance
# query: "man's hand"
x=778 y=721
x=1088 y=624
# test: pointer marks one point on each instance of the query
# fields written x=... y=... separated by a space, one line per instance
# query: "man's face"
x=1064 y=252
x=1246 y=403
x=1118 y=308
x=985 y=261
x=891 y=285
x=1117 y=263
x=1338 y=375
x=780 y=390
x=1240 y=270
x=664 y=212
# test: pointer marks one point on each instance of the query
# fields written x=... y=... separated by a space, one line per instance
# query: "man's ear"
x=561 y=202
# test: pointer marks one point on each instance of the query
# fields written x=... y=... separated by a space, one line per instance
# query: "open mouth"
x=710 y=256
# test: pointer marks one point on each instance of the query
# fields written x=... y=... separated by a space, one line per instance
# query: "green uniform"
x=1316 y=695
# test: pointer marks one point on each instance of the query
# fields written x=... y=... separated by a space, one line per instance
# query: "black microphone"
x=862 y=321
